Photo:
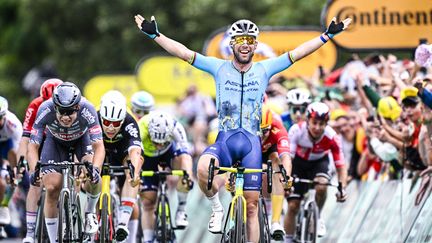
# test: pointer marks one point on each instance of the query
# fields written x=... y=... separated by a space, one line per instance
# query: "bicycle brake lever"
x=89 y=168
x=131 y=169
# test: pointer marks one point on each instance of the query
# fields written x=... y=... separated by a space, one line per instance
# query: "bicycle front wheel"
x=64 y=226
x=104 y=228
x=265 y=235
x=310 y=223
x=161 y=221
x=41 y=233
x=240 y=226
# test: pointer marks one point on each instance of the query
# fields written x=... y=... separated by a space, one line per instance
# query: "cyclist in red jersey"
x=33 y=195
x=275 y=147
x=310 y=145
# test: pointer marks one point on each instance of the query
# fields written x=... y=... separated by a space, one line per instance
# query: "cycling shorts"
x=5 y=147
x=56 y=151
x=308 y=169
x=242 y=146
x=152 y=163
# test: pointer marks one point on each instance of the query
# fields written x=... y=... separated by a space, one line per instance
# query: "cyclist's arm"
x=136 y=158
x=99 y=153
x=307 y=48
x=339 y=160
x=342 y=174
x=32 y=155
x=175 y=48
x=286 y=162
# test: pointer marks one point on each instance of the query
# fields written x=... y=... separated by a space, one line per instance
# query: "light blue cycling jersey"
x=239 y=95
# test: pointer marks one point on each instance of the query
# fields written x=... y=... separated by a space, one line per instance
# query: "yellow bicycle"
x=235 y=223
x=106 y=219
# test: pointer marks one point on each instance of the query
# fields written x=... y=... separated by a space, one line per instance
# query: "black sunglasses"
x=265 y=130
x=300 y=109
x=66 y=111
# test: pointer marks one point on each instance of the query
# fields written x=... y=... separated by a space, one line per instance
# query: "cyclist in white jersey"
x=10 y=134
x=240 y=85
x=310 y=144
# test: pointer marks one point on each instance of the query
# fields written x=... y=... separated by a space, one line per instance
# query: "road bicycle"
x=235 y=223
x=307 y=218
x=164 y=228
x=108 y=202
x=70 y=219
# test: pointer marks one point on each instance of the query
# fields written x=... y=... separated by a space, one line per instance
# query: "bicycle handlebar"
x=308 y=181
x=150 y=173
x=242 y=170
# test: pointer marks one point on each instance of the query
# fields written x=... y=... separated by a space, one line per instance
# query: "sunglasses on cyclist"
x=295 y=109
x=265 y=130
x=66 y=111
x=244 y=39
x=139 y=112
x=113 y=123
x=162 y=144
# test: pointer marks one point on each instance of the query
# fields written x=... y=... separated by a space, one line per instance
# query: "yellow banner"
x=276 y=42
x=97 y=86
x=382 y=24
x=167 y=78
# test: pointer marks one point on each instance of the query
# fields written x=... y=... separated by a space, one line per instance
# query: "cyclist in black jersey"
x=122 y=142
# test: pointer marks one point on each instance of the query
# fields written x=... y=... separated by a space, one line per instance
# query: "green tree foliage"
x=86 y=37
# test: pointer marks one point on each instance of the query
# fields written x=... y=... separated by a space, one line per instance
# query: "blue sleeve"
x=426 y=97
x=207 y=64
x=277 y=64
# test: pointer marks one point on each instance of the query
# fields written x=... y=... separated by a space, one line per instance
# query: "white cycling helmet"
x=113 y=106
x=142 y=101
x=318 y=110
x=243 y=27
x=160 y=127
x=298 y=96
x=3 y=106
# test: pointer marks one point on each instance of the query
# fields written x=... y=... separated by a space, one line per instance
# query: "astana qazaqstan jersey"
x=239 y=95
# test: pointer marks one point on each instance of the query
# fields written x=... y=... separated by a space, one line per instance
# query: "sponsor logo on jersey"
x=28 y=115
x=95 y=130
x=132 y=130
x=88 y=116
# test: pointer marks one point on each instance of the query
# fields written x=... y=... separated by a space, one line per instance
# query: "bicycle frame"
x=239 y=192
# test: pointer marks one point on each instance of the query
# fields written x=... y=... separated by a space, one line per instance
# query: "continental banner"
x=381 y=24
x=274 y=42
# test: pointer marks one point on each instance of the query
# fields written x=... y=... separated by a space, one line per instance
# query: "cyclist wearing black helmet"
x=68 y=121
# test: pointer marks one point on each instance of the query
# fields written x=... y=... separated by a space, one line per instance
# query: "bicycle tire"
x=41 y=233
x=310 y=223
x=240 y=227
x=104 y=229
x=163 y=220
x=78 y=227
x=63 y=217
x=265 y=235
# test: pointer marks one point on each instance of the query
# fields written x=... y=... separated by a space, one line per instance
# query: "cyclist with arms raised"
x=240 y=85
x=122 y=142
x=275 y=147
x=165 y=144
x=69 y=121
x=34 y=192
x=310 y=145
x=10 y=134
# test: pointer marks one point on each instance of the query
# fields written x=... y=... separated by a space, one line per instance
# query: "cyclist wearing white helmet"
x=310 y=143
x=66 y=121
x=165 y=144
x=142 y=103
x=240 y=84
x=10 y=134
x=297 y=99
x=122 y=142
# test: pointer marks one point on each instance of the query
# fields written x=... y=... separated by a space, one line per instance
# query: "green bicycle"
x=235 y=224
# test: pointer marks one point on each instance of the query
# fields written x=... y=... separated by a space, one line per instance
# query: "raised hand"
x=335 y=28
x=148 y=28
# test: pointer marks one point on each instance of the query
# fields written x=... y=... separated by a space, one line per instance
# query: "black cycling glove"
x=150 y=28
